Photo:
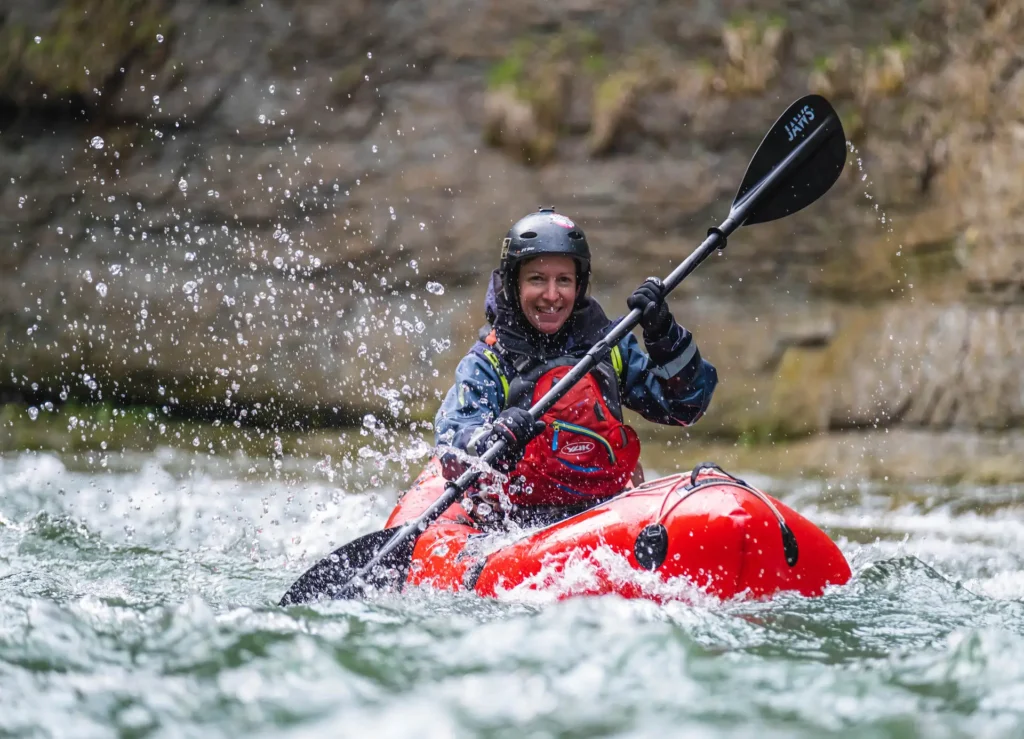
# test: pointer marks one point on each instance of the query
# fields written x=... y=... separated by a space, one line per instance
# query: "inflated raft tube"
x=712 y=529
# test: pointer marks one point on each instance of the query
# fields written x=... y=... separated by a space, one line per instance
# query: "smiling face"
x=547 y=291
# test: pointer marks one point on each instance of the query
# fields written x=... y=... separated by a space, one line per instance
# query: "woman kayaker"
x=540 y=323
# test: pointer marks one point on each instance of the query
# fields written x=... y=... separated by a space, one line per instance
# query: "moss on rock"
x=617 y=92
x=528 y=92
x=863 y=75
x=613 y=98
x=800 y=394
x=753 y=45
x=88 y=43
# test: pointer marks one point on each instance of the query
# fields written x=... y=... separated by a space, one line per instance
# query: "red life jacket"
x=585 y=450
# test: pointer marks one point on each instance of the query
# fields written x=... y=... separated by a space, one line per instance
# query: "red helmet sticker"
x=562 y=221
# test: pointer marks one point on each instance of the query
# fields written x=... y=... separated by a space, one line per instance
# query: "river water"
x=137 y=598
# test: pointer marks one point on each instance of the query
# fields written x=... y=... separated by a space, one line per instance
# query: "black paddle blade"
x=808 y=143
x=333 y=576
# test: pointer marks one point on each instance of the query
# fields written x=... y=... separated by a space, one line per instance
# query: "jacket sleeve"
x=671 y=384
x=472 y=403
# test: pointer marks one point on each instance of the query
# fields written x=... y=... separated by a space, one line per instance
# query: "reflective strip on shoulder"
x=617 y=361
x=493 y=359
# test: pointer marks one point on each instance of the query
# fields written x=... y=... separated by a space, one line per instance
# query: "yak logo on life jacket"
x=578 y=447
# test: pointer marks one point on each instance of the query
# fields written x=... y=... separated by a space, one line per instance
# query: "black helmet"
x=543 y=232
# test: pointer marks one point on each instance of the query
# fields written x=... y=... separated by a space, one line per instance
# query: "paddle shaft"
x=715 y=240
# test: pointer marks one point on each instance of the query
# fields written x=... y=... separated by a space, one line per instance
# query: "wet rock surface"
x=223 y=205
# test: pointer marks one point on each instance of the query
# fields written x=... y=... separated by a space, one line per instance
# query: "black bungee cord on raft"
x=651 y=546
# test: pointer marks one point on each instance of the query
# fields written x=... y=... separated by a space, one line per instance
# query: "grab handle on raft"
x=790 y=547
x=799 y=159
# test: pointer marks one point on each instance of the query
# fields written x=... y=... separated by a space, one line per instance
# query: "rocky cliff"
x=251 y=205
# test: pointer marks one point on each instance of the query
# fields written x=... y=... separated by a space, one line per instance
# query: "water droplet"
x=262 y=118
x=60 y=230
x=159 y=38
x=272 y=88
x=278 y=262
x=183 y=184
x=101 y=288
x=156 y=100
x=33 y=413
x=374 y=148
x=369 y=55
x=190 y=256
x=423 y=226
x=417 y=450
x=38 y=39
x=195 y=441
x=189 y=287
x=97 y=142
x=435 y=288
x=115 y=269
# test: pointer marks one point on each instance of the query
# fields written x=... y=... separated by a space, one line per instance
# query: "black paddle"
x=799 y=159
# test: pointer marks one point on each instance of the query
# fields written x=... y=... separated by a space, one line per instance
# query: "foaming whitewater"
x=138 y=598
x=584 y=572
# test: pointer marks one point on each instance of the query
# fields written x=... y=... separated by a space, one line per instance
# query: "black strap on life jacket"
x=522 y=386
x=525 y=370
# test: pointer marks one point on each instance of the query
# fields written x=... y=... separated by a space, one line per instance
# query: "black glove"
x=655 y=317
x=516 y=427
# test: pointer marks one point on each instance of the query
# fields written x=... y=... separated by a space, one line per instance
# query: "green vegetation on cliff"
x=88 y=43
